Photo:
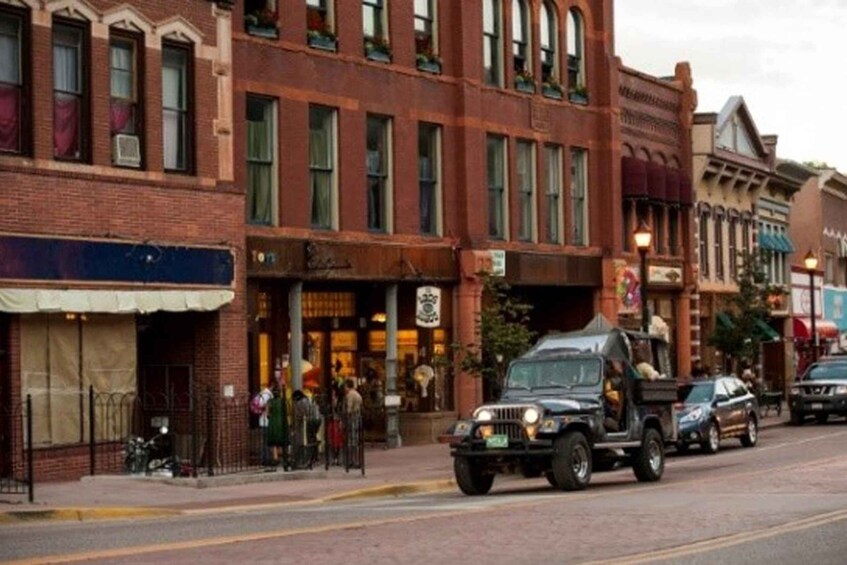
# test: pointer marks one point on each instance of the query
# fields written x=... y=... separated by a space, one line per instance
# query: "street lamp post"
x=811 y=264
x=643 y=238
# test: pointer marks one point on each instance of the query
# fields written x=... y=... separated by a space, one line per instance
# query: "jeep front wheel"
x=571 y=462
x=648 y=461
x=470 y=477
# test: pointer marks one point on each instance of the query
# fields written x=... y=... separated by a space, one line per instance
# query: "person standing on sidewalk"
x=277 y=427
x=352 y=421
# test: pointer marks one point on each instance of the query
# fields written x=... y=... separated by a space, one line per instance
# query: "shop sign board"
x=498 y=262
x=428 y=307
x=834 y=303
x=801 y=295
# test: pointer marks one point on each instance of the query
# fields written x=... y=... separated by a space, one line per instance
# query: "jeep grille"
x=513 y=430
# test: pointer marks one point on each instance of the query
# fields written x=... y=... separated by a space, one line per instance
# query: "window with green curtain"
x=496 y=187
x=261 y=152
x=321 y=165
x=526 y=190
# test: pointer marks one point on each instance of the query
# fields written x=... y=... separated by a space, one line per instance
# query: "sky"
x=785 y=57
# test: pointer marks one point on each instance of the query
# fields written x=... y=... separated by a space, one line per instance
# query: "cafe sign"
x=428 y=307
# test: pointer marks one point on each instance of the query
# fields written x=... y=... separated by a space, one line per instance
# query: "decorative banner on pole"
x=428 y=310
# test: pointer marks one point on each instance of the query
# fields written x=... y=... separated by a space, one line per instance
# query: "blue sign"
x=44 y=259
x=835 y=306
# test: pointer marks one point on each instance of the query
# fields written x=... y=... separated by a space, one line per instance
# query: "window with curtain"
x=124 y=103
x=579 y=196
x=69 y=128
x=526 y=190
x=378 y=171
x=426 y=45
x=175 y=100
x=261 y=160
x=11 y=83
x=428 y=175
x=719 y=258
x=576 y=46
x=673 y=230
x=319 y=19
x=491 y=24
x=520 y=39
x=704 y=243
x=496 y=166
x=553 y=160
x=549 y=41
x=659 y=229
x=322 y=166
x=732 y=225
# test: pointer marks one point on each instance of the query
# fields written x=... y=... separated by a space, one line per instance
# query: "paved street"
x=783 y=501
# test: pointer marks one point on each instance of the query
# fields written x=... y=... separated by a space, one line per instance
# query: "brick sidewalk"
x=388 y=472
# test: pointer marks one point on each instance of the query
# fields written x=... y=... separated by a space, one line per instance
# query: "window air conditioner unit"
x=126 y=150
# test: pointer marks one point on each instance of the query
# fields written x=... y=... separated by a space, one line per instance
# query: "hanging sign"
x=428 y=307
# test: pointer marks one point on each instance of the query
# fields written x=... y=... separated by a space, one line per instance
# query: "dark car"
x=716 y=409
x=821 y=392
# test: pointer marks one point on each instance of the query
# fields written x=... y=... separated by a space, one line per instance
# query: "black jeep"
x=574 y=404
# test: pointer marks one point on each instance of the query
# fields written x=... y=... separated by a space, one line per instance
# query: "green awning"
x=766 y=332
x=768 y=241
x=725 y=320
x=785 y=241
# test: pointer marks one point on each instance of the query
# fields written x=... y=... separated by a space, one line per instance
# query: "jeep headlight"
x=840 y=389
x=484 y=415
x=531 y=416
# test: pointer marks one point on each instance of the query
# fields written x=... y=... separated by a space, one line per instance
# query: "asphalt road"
x=784 y=501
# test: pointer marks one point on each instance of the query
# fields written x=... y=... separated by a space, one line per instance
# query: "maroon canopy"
x=656 y=182
x=686 y=192
x=672 y=181
x=634 y=173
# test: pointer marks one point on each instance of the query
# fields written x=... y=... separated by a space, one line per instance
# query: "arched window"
x=549 y=44
x=492 y=54
x=576 y=51
x=521 y=41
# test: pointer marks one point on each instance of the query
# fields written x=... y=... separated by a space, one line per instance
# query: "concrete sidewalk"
x=395 y=472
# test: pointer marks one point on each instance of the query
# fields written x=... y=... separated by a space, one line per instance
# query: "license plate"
x=497 y=441
x=817 y=406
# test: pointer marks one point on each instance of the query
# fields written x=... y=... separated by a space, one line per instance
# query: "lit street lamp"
x=811 y=264
x=643 y=239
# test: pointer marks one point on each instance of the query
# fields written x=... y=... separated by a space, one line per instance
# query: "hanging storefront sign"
x=658 y=274
x=498 y=263
x=834 y=303
x=428 y=307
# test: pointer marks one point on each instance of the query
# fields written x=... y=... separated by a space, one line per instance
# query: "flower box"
x=523 y=86
x=429 y=66
x=260 y=31
x=551 y=91
x=379 y=56
x=578 y=97
x=322 y=42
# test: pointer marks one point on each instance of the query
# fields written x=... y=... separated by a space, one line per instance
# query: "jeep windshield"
x=534 y=374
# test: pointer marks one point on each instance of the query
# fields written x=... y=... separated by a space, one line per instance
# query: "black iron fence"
x=16 y=463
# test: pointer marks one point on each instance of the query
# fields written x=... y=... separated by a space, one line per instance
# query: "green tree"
x=502 y=334
x=749 y=308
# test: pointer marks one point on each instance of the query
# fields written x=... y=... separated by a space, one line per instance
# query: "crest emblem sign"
x=428 y=307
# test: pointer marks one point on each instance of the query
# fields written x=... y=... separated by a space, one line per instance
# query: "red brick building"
x=121 y=229
x=396 y=145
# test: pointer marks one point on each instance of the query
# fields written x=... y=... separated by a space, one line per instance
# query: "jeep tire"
x=571 y=461
x=648 y=461
x=471 y=477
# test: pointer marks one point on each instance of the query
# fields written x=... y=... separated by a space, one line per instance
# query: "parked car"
x=821 y=392
x=715 y=409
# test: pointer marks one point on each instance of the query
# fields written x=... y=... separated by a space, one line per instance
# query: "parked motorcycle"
x=137 y=454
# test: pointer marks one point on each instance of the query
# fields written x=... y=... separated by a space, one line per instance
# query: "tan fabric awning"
x=31 y=301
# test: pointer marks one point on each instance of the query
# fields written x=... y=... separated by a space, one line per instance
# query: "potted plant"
x=578 y=95
x=551 y=88
x=262 y=23
x=378 y=49
x=318 y=32
x=524 y=81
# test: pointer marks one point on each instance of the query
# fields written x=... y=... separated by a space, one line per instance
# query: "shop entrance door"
x=6 y=410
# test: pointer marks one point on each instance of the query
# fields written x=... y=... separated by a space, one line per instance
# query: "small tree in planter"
x=502 y=334
x=524 y=81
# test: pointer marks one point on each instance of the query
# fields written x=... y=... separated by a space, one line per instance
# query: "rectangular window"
x=373 y=19
x=673 y=230
x=429 y=164
x=733 y=249
x=526 y=190
x=261 y=18
x=579 y=196
x=496 y=166
x=704 y=244
x=261 y=160
x=745 y=236
x=124 y=104
x=379 y=179
x=659 y=229
x=553 y=160
x=426 y=32
x=322 y=167
x=11 y=83
x=829 y=268
x=320 y=23
x=492 y=56
x=175 y=107
x=719 y=247
x=70 y=93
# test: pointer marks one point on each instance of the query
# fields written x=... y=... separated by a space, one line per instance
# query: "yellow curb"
x=391 y=490
x=83 y=514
